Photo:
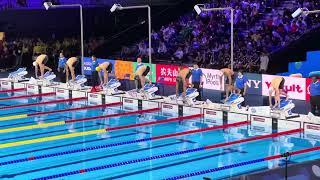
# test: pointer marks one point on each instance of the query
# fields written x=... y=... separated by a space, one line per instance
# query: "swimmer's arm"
x=36 y=71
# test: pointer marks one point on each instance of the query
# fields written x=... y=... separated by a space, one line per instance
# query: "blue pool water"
x=160 y=168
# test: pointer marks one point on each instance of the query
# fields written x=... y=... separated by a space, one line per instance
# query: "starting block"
x=234 y=99
x=18 y=75
x=147 y=92
x=78 y=83
x=285 y=110
x=189 y=99
x=111 y=88
x=48 y=79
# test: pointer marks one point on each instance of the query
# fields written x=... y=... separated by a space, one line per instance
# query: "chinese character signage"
x=166 y=74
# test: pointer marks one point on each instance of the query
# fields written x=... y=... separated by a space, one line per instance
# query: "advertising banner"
x=308 y=82
x=122 y=68
x=153 y=70
x=296 y=87
x=166 y=73
x=213 y=79
x=254 y=84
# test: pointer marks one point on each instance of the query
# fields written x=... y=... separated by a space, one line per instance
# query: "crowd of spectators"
x=205 y=39
x=21 y=51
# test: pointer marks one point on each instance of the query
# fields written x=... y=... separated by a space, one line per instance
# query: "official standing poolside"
x=315 y=96
x=197 y=79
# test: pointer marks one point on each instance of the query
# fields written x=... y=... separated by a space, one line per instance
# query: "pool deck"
x=213 y=113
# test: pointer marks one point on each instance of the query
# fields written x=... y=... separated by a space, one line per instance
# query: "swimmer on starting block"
x=40 y=63
x=182 y=80
x=140 y=76
x=228 y=73
x=70 y=67
x=106 y=68
x=276 y=87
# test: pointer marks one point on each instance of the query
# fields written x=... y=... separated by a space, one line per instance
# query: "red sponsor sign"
x=166 y=74
x=211 y=112
x=308 y=82
x=31 y=87
x=128 y=101
x=93 y=95
x=313 y=127
x=60 y=91
x=167 y=106
x=259 y=119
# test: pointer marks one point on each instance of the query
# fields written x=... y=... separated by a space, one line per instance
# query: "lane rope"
x=52 y=138
x=105 y=146
x=28 y=96
x=245 y=163
x=12 y=90
x=59 y=123
x=43 y=103
x=177 y=153
x=19 y=116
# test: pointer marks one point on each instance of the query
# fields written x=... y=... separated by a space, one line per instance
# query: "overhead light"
x=47 y=5
x=198 y=9
x=115 y=7
x=299 y=12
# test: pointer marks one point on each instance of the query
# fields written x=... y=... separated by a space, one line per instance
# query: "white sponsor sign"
x=31 y=88
x=96 y=98
x=288 y=125
x=64 y=93
x=236 y=117
x=212 y=114
x=149 y=104
x=312 y=128
x=113 y=99
x=47 y=89
x=6 y=85
x=76 y=94
x=130 y=102
x=296 y=87
x=170 y=108
x=19 y=85
x=191 y=110
x=212 y=79
x=261 y=121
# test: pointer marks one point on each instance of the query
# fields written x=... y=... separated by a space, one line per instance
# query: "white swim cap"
x=34 y=63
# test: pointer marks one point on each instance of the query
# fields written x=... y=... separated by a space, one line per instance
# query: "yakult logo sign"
x=212 y=79
x=295 y=87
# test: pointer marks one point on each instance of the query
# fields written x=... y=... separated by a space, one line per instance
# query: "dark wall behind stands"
x=296 y=51
x=119 y=28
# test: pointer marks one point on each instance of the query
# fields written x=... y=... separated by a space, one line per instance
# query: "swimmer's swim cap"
x=98 y=69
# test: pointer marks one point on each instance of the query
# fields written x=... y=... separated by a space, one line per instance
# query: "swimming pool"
x=136 y=145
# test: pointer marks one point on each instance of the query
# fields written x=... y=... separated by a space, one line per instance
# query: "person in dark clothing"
x=197 y=79
x=62 y=68
x=315 y=96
